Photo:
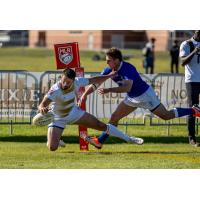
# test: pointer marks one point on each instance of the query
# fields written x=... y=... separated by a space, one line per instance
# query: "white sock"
x=175 y=112
x=113 y=131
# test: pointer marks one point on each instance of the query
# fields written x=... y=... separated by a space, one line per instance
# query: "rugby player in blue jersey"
x=139 y=94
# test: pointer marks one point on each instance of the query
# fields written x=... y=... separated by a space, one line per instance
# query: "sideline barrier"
x=22 y=91
x=18 y=96
x=171 y=91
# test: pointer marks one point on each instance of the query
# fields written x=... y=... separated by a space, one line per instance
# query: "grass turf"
x=26 y=149
x=42 y=59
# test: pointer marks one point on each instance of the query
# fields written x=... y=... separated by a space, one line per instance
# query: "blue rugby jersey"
x=128 y=72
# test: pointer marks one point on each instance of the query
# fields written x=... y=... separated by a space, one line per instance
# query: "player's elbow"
x=128 y=85
x=127 y=88
x=183 y=61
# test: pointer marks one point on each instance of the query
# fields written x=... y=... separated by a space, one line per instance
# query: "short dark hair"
x=114 y=53
x=70 y=73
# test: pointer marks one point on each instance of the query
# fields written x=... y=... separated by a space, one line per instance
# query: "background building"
x=13 y=38
x=100 y=39
x=93 y=39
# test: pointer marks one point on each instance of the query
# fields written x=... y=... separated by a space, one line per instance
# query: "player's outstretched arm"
x=94 y=82
x=88 y=90
x=100 y=79
x=125 y=87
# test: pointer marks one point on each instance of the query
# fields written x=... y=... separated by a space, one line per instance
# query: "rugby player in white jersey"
x=61 y=100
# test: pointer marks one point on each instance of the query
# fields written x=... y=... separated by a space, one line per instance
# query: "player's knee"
x=113 y=123
x=165 y=117
x=114 y=119
x=52 y=147
x=102 y=126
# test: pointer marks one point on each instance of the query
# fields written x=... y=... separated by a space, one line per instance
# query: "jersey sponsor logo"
x=65 y=54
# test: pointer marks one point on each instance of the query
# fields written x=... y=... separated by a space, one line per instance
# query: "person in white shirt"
x=62 y=96
x=190 y=59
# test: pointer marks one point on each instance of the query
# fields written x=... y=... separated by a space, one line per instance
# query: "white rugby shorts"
x=147 y=100
x=75 y=114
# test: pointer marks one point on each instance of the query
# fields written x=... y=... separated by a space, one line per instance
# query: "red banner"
x=82 y=130
x=67 y=55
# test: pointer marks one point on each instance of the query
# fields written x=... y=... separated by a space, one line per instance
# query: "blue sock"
x=102 y=138
x=180 y=112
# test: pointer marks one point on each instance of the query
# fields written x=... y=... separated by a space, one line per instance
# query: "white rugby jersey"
x=64 y=100
x=192 y=69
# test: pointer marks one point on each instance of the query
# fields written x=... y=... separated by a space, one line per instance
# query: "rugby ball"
x=43 y=119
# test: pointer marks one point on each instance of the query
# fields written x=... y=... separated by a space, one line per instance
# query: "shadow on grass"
x=111 y=140
x=127 y=152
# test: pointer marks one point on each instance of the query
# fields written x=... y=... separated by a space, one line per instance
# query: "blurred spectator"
x=148 y=53
x=174 y=53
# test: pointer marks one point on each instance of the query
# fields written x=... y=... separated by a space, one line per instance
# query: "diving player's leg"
x=55 y=130
x=122 y=111
x=53 y=137
x=90 y=121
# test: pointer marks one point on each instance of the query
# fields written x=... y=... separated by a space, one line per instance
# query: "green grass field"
x=26 y=148
x=42 y=59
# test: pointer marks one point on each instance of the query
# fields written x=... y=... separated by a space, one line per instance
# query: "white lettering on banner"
x=34 y=95
x=112 y=98
x=19 y=95
x=25 y=96
x=17 y=113
x=13 y=95
x=2 y=94
x=178 y=94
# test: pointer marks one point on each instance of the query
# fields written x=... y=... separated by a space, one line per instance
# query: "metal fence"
x=18 y=97
x=22 y=91
x=172 y=92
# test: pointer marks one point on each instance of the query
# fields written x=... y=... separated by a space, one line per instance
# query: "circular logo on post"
x=65 y=55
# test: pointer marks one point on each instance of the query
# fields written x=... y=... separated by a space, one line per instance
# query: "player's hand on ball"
x=43 y=110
